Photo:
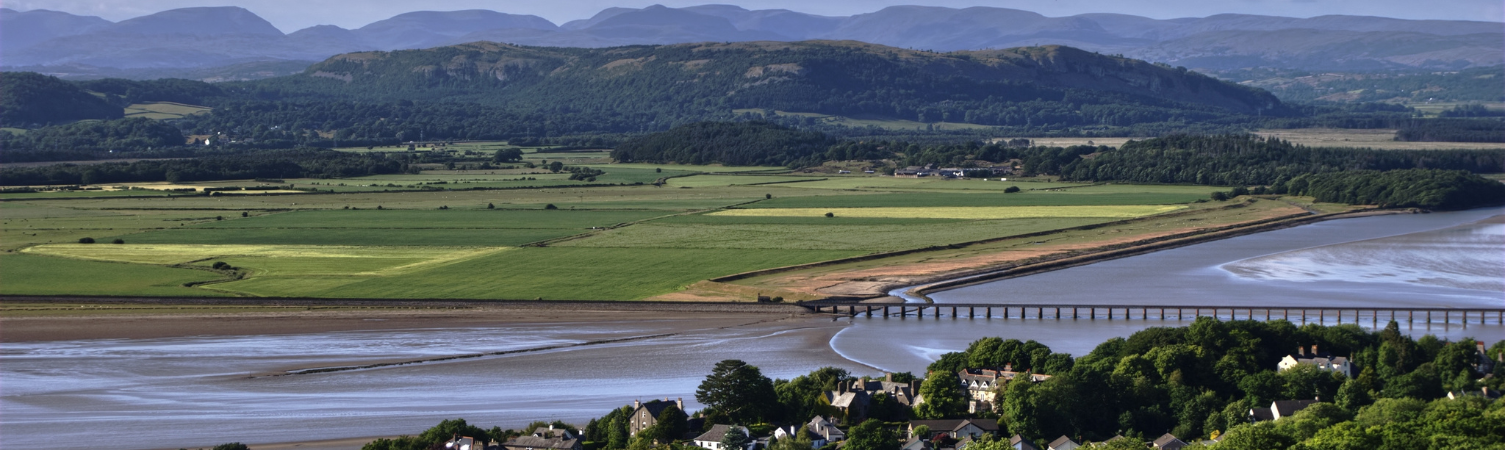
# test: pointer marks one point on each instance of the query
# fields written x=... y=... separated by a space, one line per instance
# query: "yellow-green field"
x=967 y=213
x=164 y=110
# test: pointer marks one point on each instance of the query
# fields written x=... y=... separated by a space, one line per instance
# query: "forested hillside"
x=1070 y=86
x=30 y=99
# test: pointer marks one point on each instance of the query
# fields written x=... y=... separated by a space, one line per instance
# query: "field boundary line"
x=874 y=256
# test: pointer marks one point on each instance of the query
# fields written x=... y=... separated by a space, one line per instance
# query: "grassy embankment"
x=620 y=242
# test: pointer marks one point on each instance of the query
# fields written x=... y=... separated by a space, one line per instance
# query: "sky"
x=293 y=15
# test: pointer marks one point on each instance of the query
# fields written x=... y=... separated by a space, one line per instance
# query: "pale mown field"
x=1375 y=139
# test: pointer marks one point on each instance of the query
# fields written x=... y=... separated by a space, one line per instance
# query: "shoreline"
x=1107 y=253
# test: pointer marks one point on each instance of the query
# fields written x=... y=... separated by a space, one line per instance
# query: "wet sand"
x=143 y=391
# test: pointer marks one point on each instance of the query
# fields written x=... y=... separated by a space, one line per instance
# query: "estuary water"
x=202 y=391
x=1454 y=259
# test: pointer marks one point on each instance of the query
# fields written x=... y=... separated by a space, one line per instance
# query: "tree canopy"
x=738 y=391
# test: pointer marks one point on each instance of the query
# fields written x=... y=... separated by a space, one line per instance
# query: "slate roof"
x=1285 y=408
x=1261 y=414
x=716 y=433
x=656 y=407
x=1168 y=442
x=1062 y=443
x=540 y=442
x=1022 y=443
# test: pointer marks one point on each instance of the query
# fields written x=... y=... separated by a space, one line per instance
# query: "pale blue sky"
x=292 y=15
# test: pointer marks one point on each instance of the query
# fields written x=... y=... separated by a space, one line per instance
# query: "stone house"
x=645 y=415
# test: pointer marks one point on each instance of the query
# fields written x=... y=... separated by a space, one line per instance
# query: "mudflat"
x=164 y=325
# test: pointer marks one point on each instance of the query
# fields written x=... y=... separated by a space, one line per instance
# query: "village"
x=897 y=412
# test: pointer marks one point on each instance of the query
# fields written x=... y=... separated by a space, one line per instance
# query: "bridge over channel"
x=1296 y=314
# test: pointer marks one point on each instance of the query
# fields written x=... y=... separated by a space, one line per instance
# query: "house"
x=1062 y=443
x=1278 y=409
x=816 y=440
x=1485 y=363
x=1021 y=443
x=852 y=403
x=463 y=443
x=918 y=444
x=826 y=430
x=906 y=393
x=853 y=398
x=712 y=439
x=955 y=428
x=982 y=383
x=543 y=438
x=1168 y=442
x=1322 y=361
x=644 y=415
x=1484 y=393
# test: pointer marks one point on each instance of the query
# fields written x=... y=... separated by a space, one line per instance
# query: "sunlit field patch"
x=964 y=212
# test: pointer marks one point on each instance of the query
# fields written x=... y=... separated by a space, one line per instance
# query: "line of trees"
x=1425 y=188
x=1452 y=130
x=297 y=163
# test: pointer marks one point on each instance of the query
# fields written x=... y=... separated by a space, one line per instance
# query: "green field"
x=387 y=236
x=23 y=274
x=164 y=110
x=438 y=219
x=862 y=235
x=549 y=273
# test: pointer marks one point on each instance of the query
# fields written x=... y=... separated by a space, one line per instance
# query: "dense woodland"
x=730 y=143
x=89 y=139
x=29 y=99
x=1195 y=382
x=1251 y=160
x=1427 y=188
x=1453 y=130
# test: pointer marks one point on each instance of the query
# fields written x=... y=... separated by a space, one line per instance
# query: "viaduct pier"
x=1296 y=314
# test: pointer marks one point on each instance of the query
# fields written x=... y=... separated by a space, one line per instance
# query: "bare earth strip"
x=873 y=278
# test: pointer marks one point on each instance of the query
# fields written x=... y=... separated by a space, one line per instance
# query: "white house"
x=1322 y=361
x=712 y=439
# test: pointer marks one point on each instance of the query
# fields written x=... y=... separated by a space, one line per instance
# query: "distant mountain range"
x=197 y=38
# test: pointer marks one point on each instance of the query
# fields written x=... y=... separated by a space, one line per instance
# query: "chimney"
x=1314 y=350
x=1300 y=351
x=1008 y=367
x=551 y=427
x=636 y=404
x=680 y=403
x=888 y=376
